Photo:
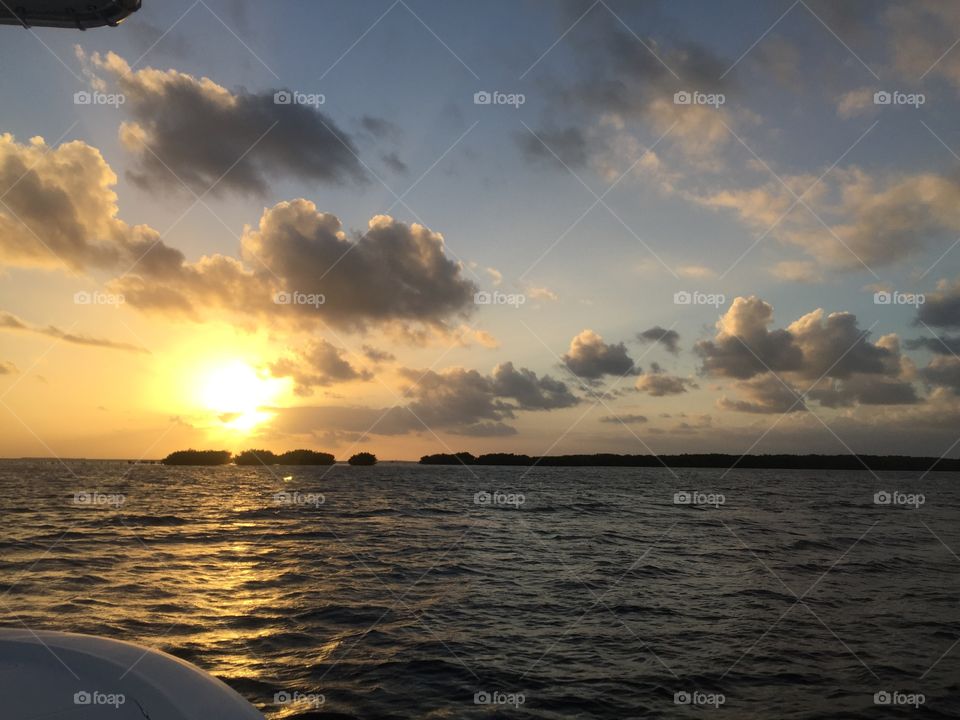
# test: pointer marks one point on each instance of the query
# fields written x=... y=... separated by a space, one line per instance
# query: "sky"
x=413 y=226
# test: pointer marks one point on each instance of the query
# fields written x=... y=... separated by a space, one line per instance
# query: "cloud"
x=744 y=347
x=302 y=257
x=940 y=345
x=875 y=221
x=856 y=102
x=942 y=308
x=393 y=161
x=800 y=271
x=944 y=372
x=668 y=338
x=11 y=322
x=660 y=384
x=542 y=293
x=695 y=272
x=624 y=419
x=765 y=394
x=591 y=358
x=378 y=356
x=832 y=351
x=530 y=392
x=61 y=210
x=208 y=136
x=8 y=368
x=319 y=364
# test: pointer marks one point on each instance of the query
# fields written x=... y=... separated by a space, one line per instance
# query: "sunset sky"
x=191 y=259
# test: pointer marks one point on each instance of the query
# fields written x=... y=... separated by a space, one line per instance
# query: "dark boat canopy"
x=75 y=14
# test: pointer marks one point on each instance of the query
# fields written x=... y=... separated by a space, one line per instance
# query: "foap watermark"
x=299 y=699
x=499 y=298
x=899 y=298
x=499 y=499
x=86 y=97
x=896 y=697
x=684 y=297
x=299 y=498
x=295 y=97
x=498 y=697
x=95 y=697
x=514 y=100
x=695 y=497
x=895 y=497
x=98 y=298
x=698 y=698
x=300 y=298
x=695 y=97
x=95 y=498
x=896 y=97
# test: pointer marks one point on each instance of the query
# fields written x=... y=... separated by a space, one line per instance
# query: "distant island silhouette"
x=709 y=460
x=257 y=458
x=363 y=458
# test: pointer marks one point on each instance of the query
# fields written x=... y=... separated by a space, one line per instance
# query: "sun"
x=237 y=393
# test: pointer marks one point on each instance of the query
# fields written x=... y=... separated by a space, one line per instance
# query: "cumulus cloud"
x=660 y=383
x=670 y=339
x=301 y=265
x=589 y=357
x=11 y=322
x=61 y=210
x=319 y=364
x=209 y=136
x=832 y=351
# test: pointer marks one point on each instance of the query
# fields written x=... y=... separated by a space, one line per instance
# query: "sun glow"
x=238 y=394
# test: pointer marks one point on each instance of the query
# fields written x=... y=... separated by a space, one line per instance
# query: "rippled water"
x=391 y=593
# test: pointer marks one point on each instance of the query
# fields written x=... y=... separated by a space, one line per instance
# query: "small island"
x=363 y=458
x=292 y=457
x=198 y=457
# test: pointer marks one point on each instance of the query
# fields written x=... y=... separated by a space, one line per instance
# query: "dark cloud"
x=456 y=401
x=11 y=322
x=589 y=357
x=529 y=391
x=941 y=345
x=393 y=161
x=320 y=364
x=847 y=369
x=209 y=136
x=302 y=266
x=943 y=372
x=668 y=338
x=765 y=394
x=624 y=419
x=865 y=390
x=942 y=308
x=376 y=355
x=380 y=127
x=813 y=346
x=659 y=383
x=8 y=368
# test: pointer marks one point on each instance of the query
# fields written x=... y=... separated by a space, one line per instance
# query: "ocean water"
x=402 y=591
